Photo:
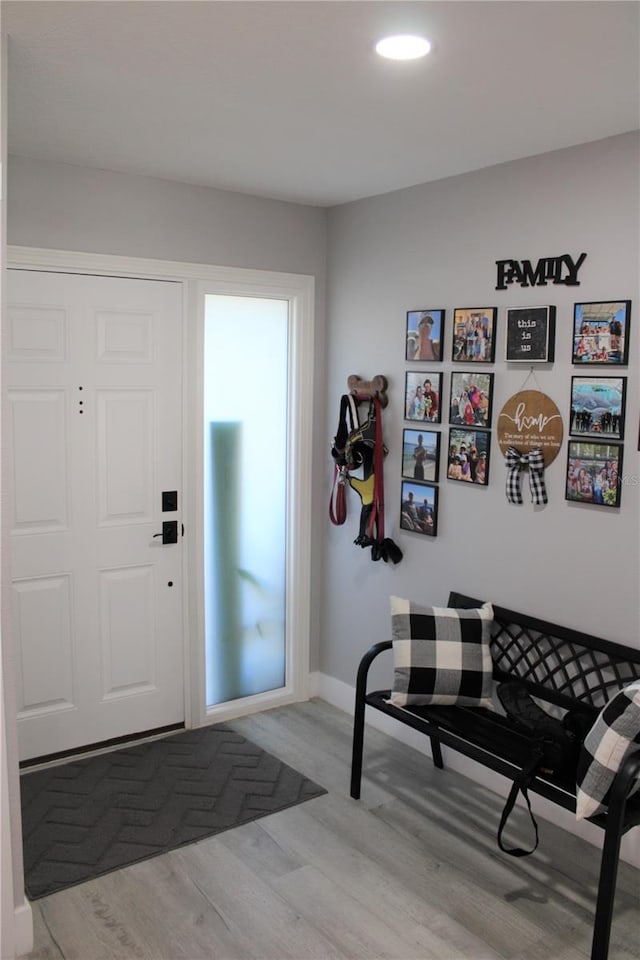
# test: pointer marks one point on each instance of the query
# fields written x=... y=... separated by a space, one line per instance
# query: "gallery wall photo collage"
x=600 y=338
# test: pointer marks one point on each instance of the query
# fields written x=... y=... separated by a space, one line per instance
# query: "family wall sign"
x=558 y=270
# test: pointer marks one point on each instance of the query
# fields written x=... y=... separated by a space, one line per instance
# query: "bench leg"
x=606 y=891
x=436 y=753
x=358 y=742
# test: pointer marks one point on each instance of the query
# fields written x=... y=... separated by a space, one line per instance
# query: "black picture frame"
x=464 y=408
x=474 y=334
x=598 y=406
x=424 y=335
x=416 y=393
x=601 y=333
x=594 y=473
x=530 y=334
x=416 y=516
x=464 y=467
x=421 y=455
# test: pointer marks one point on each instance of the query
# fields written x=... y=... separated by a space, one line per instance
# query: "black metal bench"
x=563 y=667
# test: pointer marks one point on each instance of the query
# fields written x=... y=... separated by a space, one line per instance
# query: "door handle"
x=169 y=532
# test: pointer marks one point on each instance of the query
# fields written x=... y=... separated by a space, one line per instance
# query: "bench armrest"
x=623 y=781
x=358 y=716
x=365 y=663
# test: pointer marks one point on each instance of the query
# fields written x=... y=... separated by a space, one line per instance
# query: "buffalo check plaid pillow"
x=441 y=655
x=614 y=735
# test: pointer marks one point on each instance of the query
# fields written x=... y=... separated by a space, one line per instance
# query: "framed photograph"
x=419 y=510
x=425 y=332
x=468 y=458
x=421 y=455
x=530 y=334
x=597 y=407
x=601 y=332
x=594 y=470
x=422 y=392
x=471 y=399
x=474 y=335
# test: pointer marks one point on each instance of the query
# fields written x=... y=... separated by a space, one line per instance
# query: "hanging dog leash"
x=362 y=449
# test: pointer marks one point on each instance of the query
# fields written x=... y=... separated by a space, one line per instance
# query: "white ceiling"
x=288 y=99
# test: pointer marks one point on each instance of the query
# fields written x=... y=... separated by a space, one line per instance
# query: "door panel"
x=36 y=333
x=93 y=386
x=39 y=496
x=125 y=456
x=46 y=670
x=127 y=633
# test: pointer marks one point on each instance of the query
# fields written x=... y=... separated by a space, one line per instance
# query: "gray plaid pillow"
x=614 y=735
x=441 y=655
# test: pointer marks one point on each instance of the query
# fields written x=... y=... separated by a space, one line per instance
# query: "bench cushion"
x=614 y=735
x=441 y=655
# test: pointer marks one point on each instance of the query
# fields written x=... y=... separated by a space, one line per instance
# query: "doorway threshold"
x=104 y=745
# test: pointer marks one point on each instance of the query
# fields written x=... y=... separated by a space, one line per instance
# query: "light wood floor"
x=410 y=872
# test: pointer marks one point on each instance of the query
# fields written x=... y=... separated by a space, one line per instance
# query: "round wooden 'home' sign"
x=528 y=420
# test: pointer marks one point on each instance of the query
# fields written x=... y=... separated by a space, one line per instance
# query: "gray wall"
x=65 y=207
x=433 y=245
x=436 y=245
x=76 y=208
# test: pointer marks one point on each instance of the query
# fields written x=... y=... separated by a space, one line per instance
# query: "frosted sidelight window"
x=245 y=473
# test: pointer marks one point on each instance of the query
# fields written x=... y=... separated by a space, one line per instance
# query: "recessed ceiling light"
x=403 y=47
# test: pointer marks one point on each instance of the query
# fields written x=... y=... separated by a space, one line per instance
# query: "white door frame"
x=196 y=280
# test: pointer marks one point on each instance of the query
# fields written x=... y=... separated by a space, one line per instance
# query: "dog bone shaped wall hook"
x=367 y=389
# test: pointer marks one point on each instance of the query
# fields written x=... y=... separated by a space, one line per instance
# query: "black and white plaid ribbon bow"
x=515 y=462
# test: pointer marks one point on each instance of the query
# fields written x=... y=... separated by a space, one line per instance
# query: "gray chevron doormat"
x=97 y=814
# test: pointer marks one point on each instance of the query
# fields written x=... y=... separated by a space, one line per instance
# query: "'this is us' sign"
x=530 y=334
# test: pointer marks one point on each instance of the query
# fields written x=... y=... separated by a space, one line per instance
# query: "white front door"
x=93 y=392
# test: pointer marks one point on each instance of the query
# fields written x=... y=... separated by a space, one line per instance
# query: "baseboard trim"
x=342 y=695
x=23 y=929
